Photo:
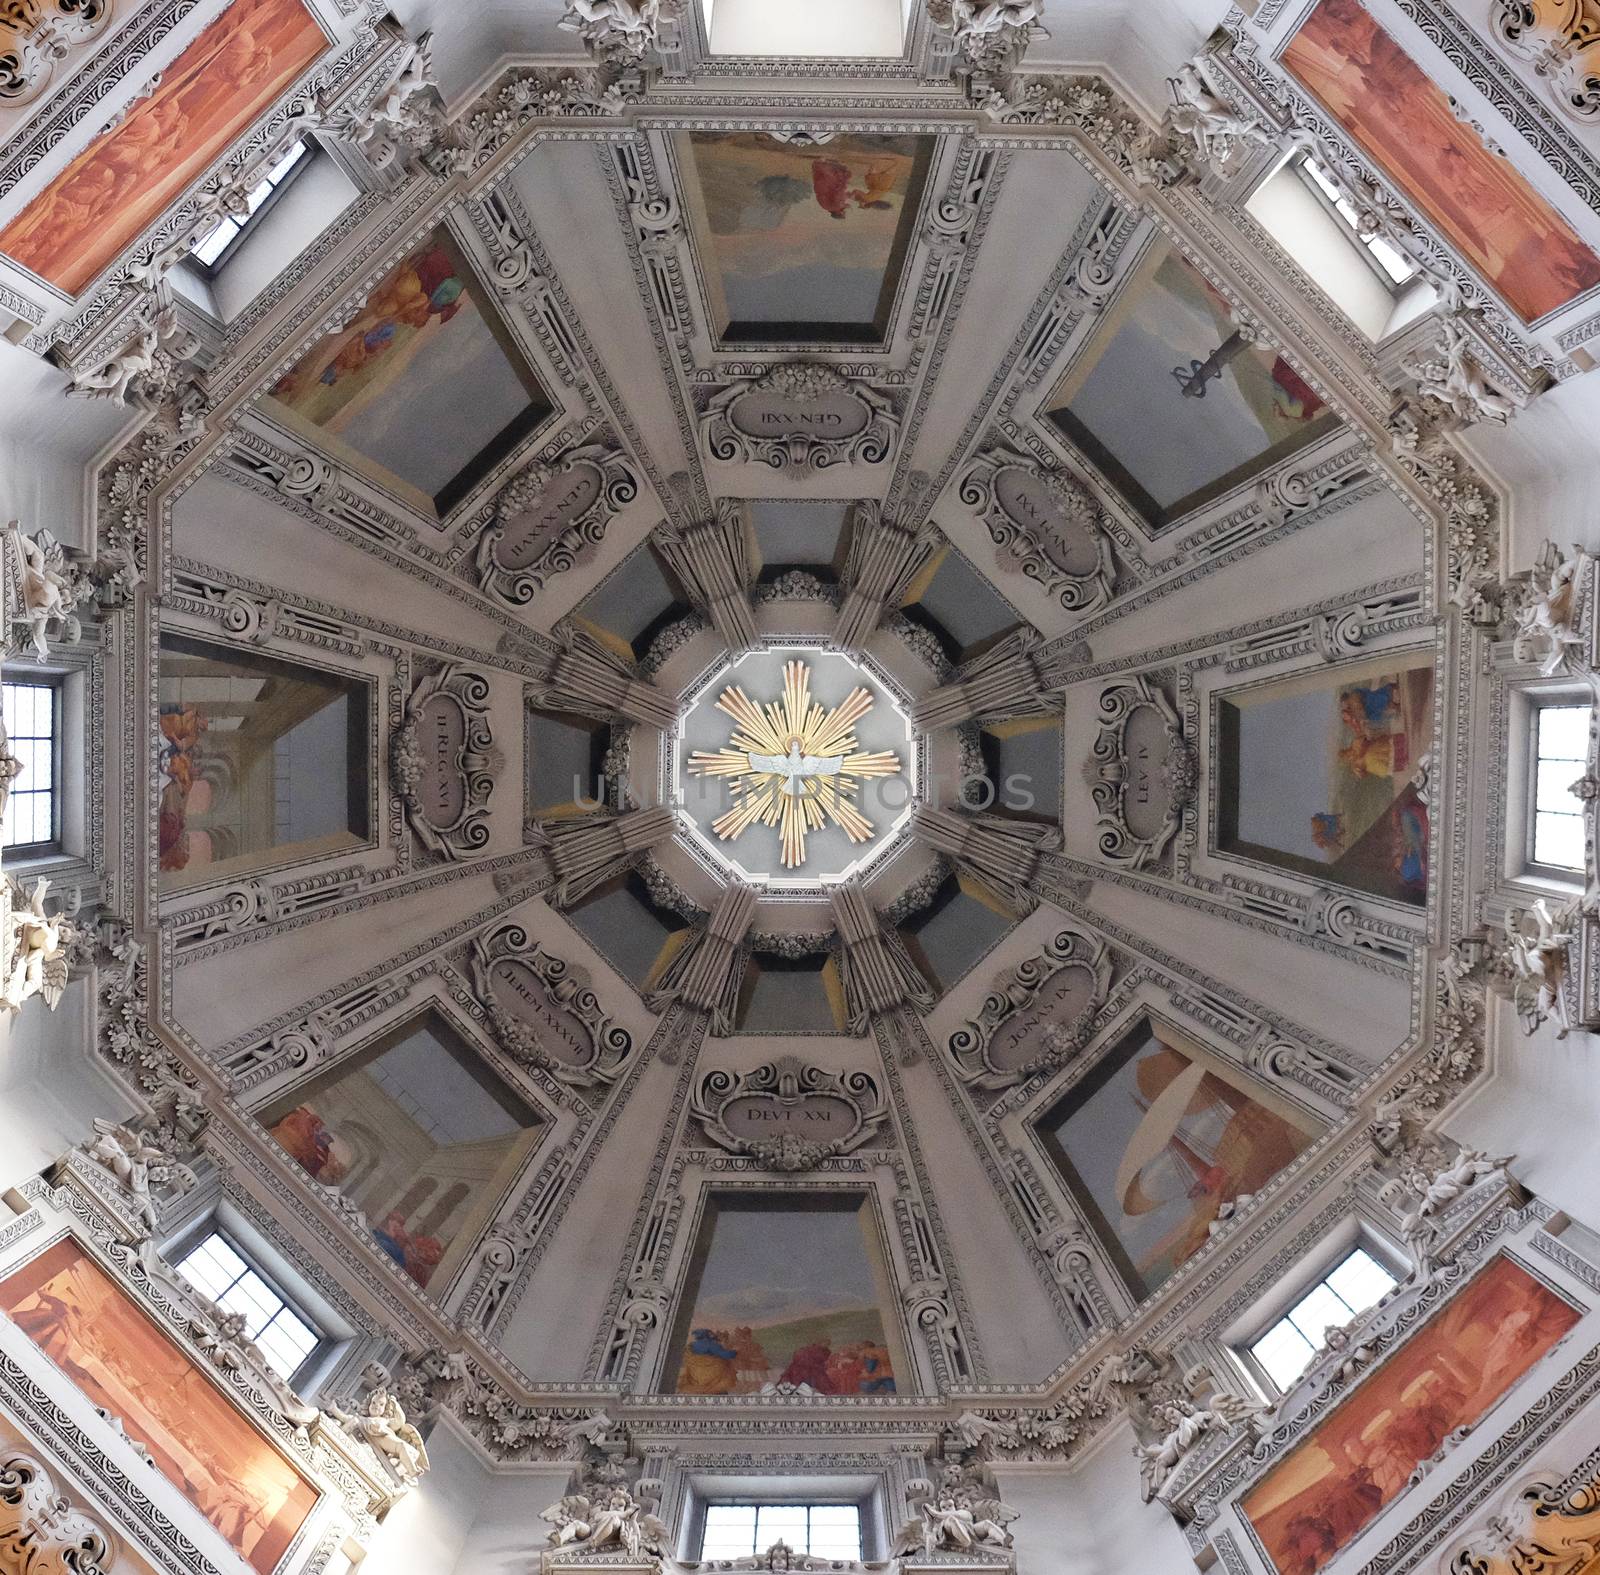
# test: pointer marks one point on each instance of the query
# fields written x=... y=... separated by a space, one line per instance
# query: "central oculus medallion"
x=794 y=766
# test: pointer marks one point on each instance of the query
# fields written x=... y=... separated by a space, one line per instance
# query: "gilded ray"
x=793 y=764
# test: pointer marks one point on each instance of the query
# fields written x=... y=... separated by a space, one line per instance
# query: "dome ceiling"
x=849 y=628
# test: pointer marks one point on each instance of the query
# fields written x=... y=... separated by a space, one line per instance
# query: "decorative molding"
x=445 y=762
x=799 y=416
x=1046 y=524
x=1142 y=773
x=789 y=1115
x=41 y=1531
x=1039 y=1014
x=550 y=517
x=544 y=1012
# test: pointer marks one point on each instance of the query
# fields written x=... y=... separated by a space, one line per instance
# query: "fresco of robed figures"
x=420 y=1136
x=1168 y=359
x=1408 y=126
x=787 y=1292
x=802 y=243
x=424 y=389
x=119 y=184
x=261 y=762
x=85 y=1323
x=1447 y=1375
x=1319 y=776
x=1156 y=1140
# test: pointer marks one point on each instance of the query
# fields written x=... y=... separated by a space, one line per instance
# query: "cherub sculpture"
x=1455 y=380
x=614 y=29
x=410 y=114
x=137 y=1159
x=50 y=588
x=124 y=375
x=958 y=1515
x=613 y=1517
x=382 y=1423
x=1536 y=960
x=1179 y=1425
x=1200 y=113
x=36 y=946
x=1547 y=620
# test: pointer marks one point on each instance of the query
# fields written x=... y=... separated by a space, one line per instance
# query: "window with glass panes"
x=210 y=250
x=1561 y=752
x=32 y=719
x=825 y=1531
x=1288 y=1347
x=215 y=1267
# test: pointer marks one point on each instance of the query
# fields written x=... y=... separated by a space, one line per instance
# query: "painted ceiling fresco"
x=1167 y=357
x=425 y=389
x=799 y=244
x=1410 y=127
x=1321 y=776
x=216 y=88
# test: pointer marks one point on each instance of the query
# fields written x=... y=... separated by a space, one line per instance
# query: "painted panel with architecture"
x=419 y=1135
x=1156 y=1140
x=1445 y=1377
x=785 y=1289
x=802 y=243
x=86 y=1324
x=261 y=762
x=1411 y=129
x=424 y=389
x=1167 y=356
x=124 y=179
x=1322 y=776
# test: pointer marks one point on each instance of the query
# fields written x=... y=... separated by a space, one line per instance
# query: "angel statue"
x=50 y=589
x=382 y=1423
x=953 y=1517
x=1178 y=1426
x=1200 y=113
x=612 y=1518
x=35 y=949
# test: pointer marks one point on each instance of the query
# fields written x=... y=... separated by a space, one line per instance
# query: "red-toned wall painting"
x=1405 y=122
x=82 y=1320
x=1447 y=1375
x=127 y=175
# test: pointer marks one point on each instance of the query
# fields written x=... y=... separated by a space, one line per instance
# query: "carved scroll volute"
x=549 y=518
x=788 y=1115
x=1045 y=524
x=41 y=1530
x=1142 y=773
x=1561 y=40
x=1039 y=1014
x=802 y=415
x=445 y=762
x=543 y=1012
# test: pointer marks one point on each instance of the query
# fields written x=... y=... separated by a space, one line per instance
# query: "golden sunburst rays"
x=822 y=767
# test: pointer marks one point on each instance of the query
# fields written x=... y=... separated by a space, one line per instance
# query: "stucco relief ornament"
x=1432 y=1192
x=1547 y=618
x=445 y=762
x=1533 y=957
x=608 y=1517
x=36 y=948
x=961 y=1514
x=408 y=117
x=381 y=1422
x=41 y=1532
x=1200 y=115
x=990 y=34
x=617 y=32
x=51 y=587
x=1451 y=376
x=141 y=1158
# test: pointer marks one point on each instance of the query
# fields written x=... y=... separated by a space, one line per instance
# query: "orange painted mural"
x=124 y=179
x=87 y=1325
x=1404 y=122
x=1358 y=1460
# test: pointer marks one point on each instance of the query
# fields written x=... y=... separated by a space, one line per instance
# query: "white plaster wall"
x=426 y=1531
x=1089 y=1520
x=51 y=1087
